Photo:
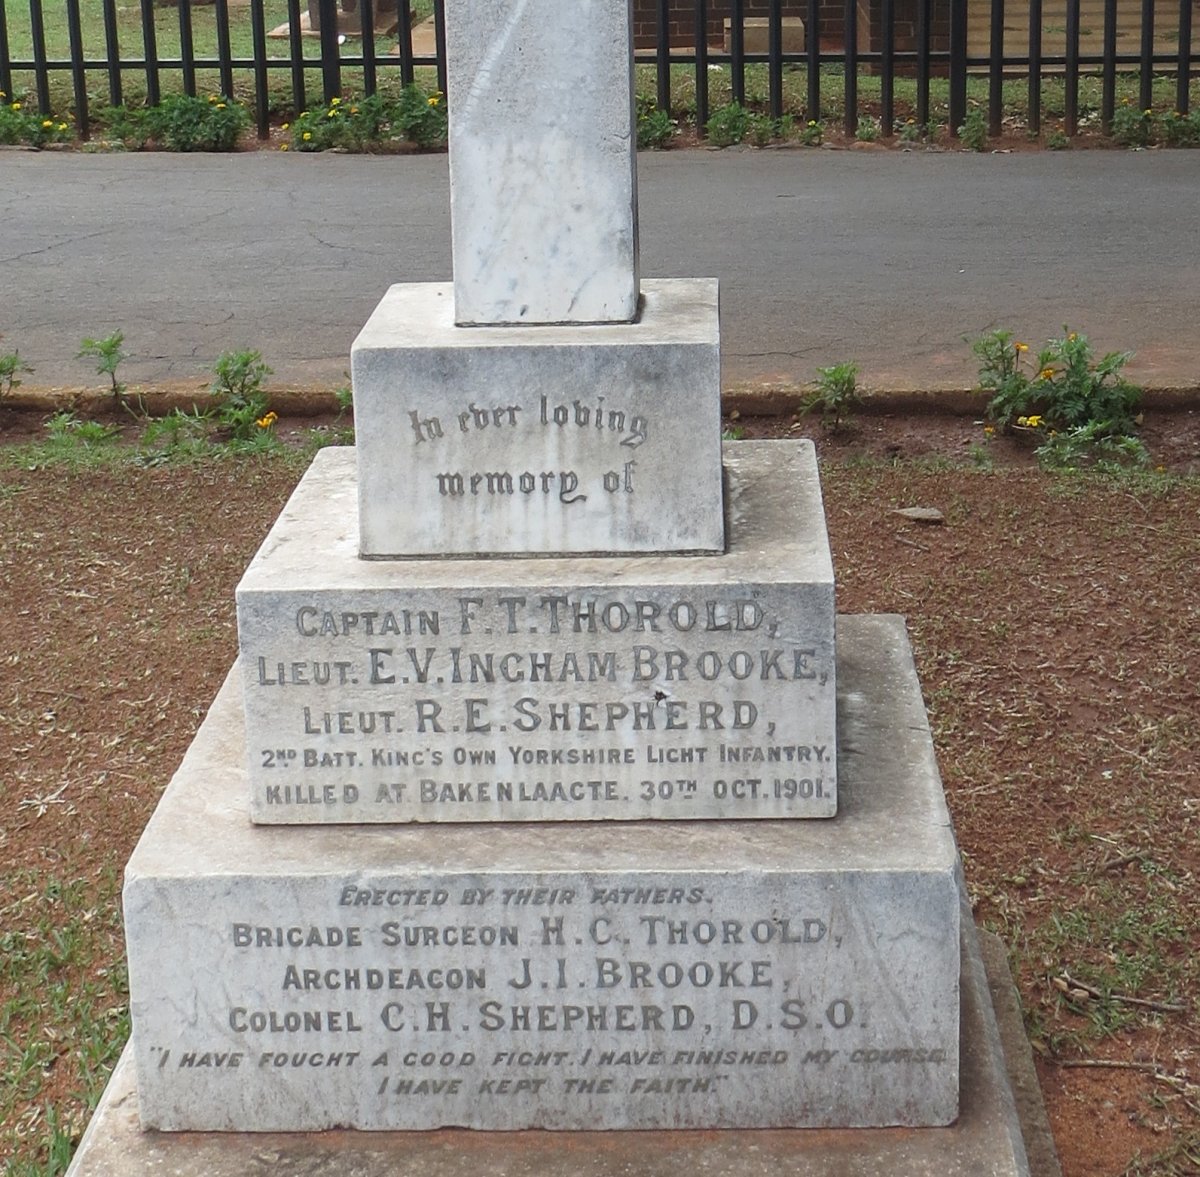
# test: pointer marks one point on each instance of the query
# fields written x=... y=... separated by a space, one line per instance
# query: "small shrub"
x=21 y=125
x=241 y=403
x=912 y=131
x=10 y=369
x=1057 y=141
x=421 y=117
x=836 y=395
x=108 y=356
x=812 y=134
x=1077 y=403
x=1132 y=127
x=1180 y=130
x=868 y=130
x=183 y=123
x=728 y=125
x=654 y=127
x=128 y=125
x=973 y=131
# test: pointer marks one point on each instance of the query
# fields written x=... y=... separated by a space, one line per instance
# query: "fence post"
x=701 y=65
x=850 y=71
x=78 y=75
x=737 y=50
x=1146 y=66
x=887 y=69
x=924 y=21
x=996 y=70
x=224 y=47
x=331 y=62
x=112 y=51
x=439 y=37
x=187 y=48
x=38 y=32
x=775 y=57
x=1071 y=70
x=1108 y=82
x=258 y=20
x=1183 y=72
x=812 y=46
x=958 y=64
x=1035 y=65
x=366 y=12
x=150 y=43
x=662 y=55
x=296 y=54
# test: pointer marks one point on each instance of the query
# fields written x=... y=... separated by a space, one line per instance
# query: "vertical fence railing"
x=926 y=38
x=187 y=47
x=1183 y=68
x=737 y=50
x=262 y=96
x=1035 y=66
x=37 y=35
x=150 y=44
x=112 y=52
x=78 y=73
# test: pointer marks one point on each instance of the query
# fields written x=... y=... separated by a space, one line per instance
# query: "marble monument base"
x=560 y=689
x=701 y=974
x=537 y=440
x=1001 y=1129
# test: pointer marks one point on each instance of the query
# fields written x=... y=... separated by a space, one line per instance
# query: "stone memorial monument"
x=542 y=795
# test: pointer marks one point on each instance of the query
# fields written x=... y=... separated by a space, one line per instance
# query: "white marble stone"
x=682 y=975
x=542 y=161
x=539 y=440
x=544 y=690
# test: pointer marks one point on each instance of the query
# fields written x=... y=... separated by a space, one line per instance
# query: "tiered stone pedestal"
x=663 y=686
x=698 y=974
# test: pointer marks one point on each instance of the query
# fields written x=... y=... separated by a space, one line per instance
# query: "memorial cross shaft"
x=543 y=161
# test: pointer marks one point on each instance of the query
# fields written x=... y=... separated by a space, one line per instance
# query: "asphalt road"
x=888 y=258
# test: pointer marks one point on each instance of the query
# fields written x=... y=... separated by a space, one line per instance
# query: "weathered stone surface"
x=543 y=184
x=544 y=690
x=685 y=975
x=991 y=1136
x=536 y=440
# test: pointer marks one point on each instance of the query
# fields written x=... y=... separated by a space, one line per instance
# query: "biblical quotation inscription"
x=544 y=999
x=541 y=704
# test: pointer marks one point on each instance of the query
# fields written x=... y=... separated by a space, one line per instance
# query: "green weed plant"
x=20 y=123
x=1081 y=408
x=183 y=123
x=835 y=395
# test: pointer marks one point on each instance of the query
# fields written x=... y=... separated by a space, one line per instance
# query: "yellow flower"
x=1147 y=113
x=433 y=99
x=1072 y=337
x=15 y=106
x=285 y=126
x=332 y=114
x=212 y=98
x=988 y=430
x=1046 y=374
x=62 y=126
x=354 y=110
x=220 y=106
x=307 y=136
x=283 y=147
x=335 y=102
x=1034 y=421
x=1021 y=346
x=47 y=123
x=267 y=421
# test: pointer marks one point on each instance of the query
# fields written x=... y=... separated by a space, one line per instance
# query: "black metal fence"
x=921 y=39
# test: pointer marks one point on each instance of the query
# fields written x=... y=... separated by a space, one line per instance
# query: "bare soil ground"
x=1056 y=623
